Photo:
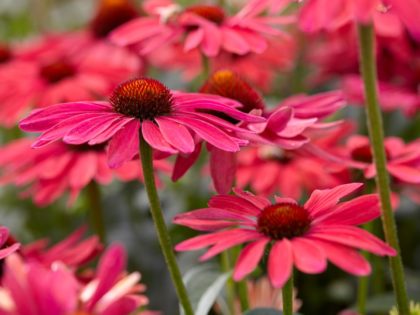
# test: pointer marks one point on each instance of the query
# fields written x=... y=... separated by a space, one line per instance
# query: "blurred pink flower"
x=403 y=160
x=60 y=68
x=7 y=244
x=49 y=172
x=30 y=288
x=166 y=119
x=73 y=252
x=206 y=27
x=265 y=168
x=302 y=236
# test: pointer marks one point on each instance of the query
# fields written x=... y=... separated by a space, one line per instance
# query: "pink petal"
x=345 y=258
x=124 y=145
x=210 y=133
x=353 y=237
x=354 y=212
x=193 y=39
x=249 y=258
x=184 y=162
x=322 y=200
x=234 y=203
x=307 y=256
x=176 y=134
x=280 y=263
x=205 y=240
x=279 y=119
x=222 y=170
x=6 y=251
x=257 y=201
x=233 y=42
x=110 y=131
x=404 y=173
x=153 y=136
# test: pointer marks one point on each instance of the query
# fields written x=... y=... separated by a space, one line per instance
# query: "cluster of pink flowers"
x=91 y=100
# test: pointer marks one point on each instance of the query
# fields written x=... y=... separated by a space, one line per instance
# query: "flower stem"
x=362 y=292
x=243 y=296
x=287 y=294
x=375 y=127
x=162 y=231
x=230 y=285
x=96 y=210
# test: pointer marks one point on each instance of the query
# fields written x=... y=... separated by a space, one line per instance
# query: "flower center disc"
x=5 y=54
x=110 y=15
x=57 y=71
x=229 y=84
x=364 y=154
x=143 y=98
x=283 y=220
x=209 y=12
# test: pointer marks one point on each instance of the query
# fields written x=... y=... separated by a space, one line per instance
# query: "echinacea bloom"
x=403 y=160
x=51 y=171
x=53 y=69
x=268 y=170
x=73 y=251
x=165 y=119
x=32 y=288
x=207 y=27
x=305 y=236
x=7 y=247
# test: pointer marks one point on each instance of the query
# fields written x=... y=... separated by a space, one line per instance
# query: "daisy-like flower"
x=32 y=288
x=305 y=236
x=167 y=120
x=51 y=171
x=7 y=244
x=265 y=168
x=206 y=27
x=403 y=160
x=56 y=69
x=72 y=251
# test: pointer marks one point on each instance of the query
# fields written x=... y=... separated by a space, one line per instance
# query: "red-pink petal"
x=307 y=256
x=249 y=258
x=176 y=134
x=153 y=136
x=222 y=170
x=280 y=263
x=124 y=145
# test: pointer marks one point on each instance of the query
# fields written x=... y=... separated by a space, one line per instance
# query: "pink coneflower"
x=207 y=27
x=72 y=251
x=166 y=119
x=265 y=168
x=61 y=68
x=32 y=288
x=403 y=160
x=7 y=244
x=51 y=171
x=302 y=236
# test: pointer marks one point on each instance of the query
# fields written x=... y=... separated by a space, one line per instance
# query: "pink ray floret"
x=323 y=229
x=167 y=120
x=7 y=244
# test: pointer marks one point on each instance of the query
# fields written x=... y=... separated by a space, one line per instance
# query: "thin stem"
x=287 y=294
x=243 y=296
x=375 y=127
x=362 y=291
x=162 y=231
x=230 y=285
x=96 y=210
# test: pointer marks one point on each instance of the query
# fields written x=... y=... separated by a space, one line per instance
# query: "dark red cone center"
x=209 y=12
x=57 y=71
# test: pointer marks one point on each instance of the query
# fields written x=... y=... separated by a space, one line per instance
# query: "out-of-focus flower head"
x=7 y=244
x=49 y=172
x=305 y=236
x=206 y=27
x=169 y=121
x=29 y=287
x=73 y=251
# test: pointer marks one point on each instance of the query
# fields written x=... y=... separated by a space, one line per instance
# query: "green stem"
x=375 y=127
x=230 y=285
x=96 y=210
x=162 y=231
x=362 y=291
x=243 y=296
x=287 y=294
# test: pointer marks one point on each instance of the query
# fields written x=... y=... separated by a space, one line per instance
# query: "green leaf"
x=204 y=284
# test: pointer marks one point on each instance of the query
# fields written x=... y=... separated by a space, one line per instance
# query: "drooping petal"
x=280 y=263
x=153 y=136
x=124 y=145
x=222 y=169
x=307 y=256
x=176 y=134
x=249 y=258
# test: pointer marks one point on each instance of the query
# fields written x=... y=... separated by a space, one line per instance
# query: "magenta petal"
x=124 y=145
x=153 y=136
x=4 y=252
x=405 y=173
x=322 y=200
x=280 y=263
x=257 y=201
x=110 y=131
x=176 y=134
x=308 y=257
x=234 y=203
x=184 y=162
x=346 y=258
x=354 y=212
x=205 y=240
x=354 y=237
x=249 y=258
x=279 y=119
x=210 y=133
x=222 y=169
